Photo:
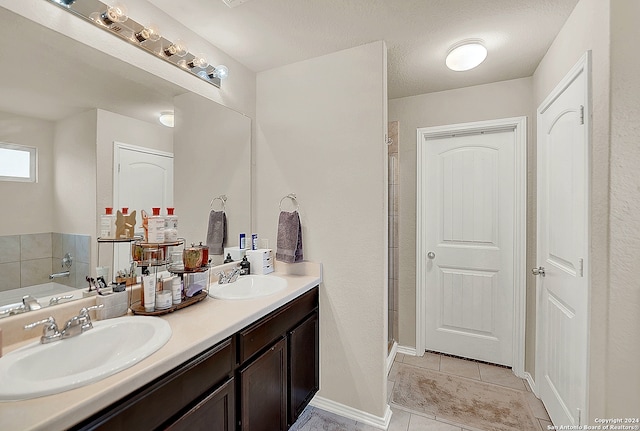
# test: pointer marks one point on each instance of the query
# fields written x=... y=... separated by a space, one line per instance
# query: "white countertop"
x=194 y=329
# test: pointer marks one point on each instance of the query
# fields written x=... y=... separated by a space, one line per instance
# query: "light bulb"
x=220 y=72
x=113 y=14
x=149 y=32
x=66 y=3
x=198 y=61
x=177 y=48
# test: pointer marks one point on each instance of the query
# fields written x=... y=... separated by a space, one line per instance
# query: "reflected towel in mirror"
x=289 y=237
x=217 y=232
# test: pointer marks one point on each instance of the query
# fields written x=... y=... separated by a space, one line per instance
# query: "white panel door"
x=561 y=345
x=143 y=179
x=469 y=238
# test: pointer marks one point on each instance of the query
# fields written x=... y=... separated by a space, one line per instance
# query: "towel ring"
x=291 y=196
x=221 y=198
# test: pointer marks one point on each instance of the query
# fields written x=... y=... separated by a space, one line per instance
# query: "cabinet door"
x=216 y=412
x=263 y=402
x=304 y=375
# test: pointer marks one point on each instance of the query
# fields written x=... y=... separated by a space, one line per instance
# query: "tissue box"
x=115 y=305
x=261 y=260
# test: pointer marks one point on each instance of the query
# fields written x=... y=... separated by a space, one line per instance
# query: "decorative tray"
x=138 y=308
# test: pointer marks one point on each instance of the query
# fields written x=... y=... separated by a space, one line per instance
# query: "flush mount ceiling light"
x=167 y=118
x=466 y=55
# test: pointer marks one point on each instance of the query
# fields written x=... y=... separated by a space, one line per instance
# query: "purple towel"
x=289 y=237
x=217 y=232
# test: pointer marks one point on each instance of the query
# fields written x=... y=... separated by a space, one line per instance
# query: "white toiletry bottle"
x=176 y=290
x=155 y=227
x=171 y=226
x=108 y=224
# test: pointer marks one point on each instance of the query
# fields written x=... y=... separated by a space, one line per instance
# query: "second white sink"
x=248 y=287
x=111 y=346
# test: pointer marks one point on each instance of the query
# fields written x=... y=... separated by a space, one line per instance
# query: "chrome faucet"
x=50 y=331
x=80 y=323
x=30 y=303
x=230 y=277
x=56 y=299
x=59 y=275
x=74 y=326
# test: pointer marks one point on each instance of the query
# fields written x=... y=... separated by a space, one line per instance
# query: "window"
x=18 y=163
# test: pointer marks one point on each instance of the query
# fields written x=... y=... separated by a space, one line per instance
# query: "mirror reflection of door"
x=143 y=179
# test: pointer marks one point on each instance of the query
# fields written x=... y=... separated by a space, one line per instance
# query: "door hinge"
x=581 y=114
x=581 y=267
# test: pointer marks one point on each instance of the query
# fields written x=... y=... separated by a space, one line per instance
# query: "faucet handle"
x=57 y=299
x=50 y=331
x=84 y=311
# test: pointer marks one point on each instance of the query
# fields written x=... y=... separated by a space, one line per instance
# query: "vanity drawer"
x=261 y=334
x=152 y=405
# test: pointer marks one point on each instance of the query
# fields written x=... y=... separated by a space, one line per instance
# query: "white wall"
x=27 y=206
x=483 y=102
x=623 y=348
x=320 y=133
x=587 y=28
x=212 y=157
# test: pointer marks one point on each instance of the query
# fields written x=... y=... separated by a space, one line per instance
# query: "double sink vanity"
x=228 y=364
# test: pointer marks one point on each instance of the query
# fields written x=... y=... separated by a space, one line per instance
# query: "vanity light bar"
x=114 y=20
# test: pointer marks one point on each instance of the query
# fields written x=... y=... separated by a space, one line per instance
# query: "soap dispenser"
x=245 y=266
x=228 y=259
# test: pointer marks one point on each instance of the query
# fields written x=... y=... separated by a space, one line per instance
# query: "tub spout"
x=59 y=275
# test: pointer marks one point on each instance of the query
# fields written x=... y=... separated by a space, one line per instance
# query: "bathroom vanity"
x=229 y=365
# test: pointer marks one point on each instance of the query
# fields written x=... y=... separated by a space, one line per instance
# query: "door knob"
x=431 y=255
x=538 y=271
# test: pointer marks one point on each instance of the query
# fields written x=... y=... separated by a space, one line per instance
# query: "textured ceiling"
x=264 y=34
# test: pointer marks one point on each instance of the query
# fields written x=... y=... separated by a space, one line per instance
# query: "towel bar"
x=291 y=196
x=221 y=198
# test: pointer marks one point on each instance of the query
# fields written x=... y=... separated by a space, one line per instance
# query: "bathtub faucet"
x=59 y=275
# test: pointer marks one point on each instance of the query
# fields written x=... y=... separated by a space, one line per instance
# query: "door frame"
x=519 y=126
x=582 y=66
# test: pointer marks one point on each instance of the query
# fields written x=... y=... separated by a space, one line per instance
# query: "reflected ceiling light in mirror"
x=167 y=118
x=149 y=32
x=466 y=55
x=221 y=71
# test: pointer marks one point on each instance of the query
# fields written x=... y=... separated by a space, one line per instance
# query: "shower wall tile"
x=56 y=245
x=83 y=249
x=35 y=271
x=68 y=245
x=9 y=276
x=81 y=271
x=35 y=246
x=9 y=248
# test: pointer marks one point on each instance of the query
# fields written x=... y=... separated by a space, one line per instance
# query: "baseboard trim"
x=392 y=356
x=351 y=413
x=532 y=384
x=405 y=350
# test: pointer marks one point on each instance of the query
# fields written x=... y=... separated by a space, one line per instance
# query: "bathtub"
x=42 y=292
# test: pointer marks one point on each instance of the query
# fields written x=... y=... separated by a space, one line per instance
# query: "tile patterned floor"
x=404 y=419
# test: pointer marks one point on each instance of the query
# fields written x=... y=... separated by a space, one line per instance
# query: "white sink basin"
x=248 y=287
x=111 y=346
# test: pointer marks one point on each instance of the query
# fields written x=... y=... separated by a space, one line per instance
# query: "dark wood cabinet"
x=304 y=365
x=216 y=412
x=263 y=399
x=260 y=379
x=279 y=363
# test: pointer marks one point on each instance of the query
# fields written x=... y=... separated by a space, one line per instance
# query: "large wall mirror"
x=77 y=105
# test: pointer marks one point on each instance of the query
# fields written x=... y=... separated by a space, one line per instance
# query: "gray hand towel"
x=217 y=232
x=289 y=237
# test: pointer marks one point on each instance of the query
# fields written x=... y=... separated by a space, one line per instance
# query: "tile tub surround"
x=194 y=329
x=29 y=259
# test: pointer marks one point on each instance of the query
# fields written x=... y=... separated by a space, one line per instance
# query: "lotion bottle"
x=156 y=227
x=149 y=288
x=108 y=224
x=171 y=226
